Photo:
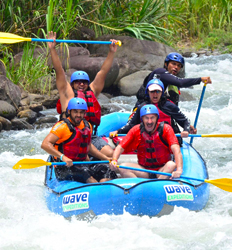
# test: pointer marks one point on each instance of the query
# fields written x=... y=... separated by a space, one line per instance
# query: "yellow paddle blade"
x=30 y=163
x=119 y=43
x=219 y=135
x=11 y=38
x=224 y=183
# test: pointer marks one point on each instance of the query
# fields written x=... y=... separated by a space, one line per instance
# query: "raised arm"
x=64 y=88
x=98 y=83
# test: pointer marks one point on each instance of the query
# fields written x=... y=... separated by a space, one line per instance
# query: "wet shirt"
x=132 y=140
x=61 y=130
x=167 y=79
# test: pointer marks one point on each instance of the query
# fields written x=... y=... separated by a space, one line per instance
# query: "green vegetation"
x=28 y=70
x=202 y=23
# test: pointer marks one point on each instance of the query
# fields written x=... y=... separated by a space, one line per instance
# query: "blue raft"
x=137 y=196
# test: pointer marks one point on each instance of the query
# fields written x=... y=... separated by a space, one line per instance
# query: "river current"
x=26 y=222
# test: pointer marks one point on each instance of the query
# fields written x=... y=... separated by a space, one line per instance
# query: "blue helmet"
x=77 y=103
x=79 y=75
x=148 y=109
x=154 y=81
x=175 y=57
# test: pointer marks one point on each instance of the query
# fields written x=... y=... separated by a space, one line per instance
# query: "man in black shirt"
x=168 y=75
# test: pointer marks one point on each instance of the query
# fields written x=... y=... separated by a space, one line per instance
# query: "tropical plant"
x=28 y=72
x=62 y=17
x=206 y=22
x=141 y=19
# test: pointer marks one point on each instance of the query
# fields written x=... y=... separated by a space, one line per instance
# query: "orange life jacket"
x=77 y=146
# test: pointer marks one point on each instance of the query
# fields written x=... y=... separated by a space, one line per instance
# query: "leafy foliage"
x=29 y=71
x=168 y=21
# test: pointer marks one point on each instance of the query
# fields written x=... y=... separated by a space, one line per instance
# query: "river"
x=26 y=223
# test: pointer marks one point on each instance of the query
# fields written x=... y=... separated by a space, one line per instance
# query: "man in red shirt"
x=155 y=144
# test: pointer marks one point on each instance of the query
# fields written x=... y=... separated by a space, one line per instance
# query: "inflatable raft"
x=136 y=196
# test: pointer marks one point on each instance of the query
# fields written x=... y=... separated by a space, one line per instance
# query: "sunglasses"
x=155 y=91
x=79 y=82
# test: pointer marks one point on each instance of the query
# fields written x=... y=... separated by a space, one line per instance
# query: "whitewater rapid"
x=26 y=223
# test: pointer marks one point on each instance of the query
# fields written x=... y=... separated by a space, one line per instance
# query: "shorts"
x=100 y=171
x=78 y=173
x=152 y=176
x=98 y=142
x=81 y=173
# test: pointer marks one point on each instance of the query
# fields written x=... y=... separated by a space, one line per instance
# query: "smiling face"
x=76 y=116
x=155 y=96
x=150 y=122
x=173 y=67
x=80 y=85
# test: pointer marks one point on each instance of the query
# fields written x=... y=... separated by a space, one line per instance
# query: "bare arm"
x=206 y=79
x=178 y=159
x=47 y=145
x=96 y=153
x=64 y=88
x=117 y=152
x=98 y=83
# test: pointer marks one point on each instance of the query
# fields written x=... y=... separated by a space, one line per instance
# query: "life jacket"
x=153 y=151
x=163 y=117
x=173 y=94
x=58 y=107
x=93 y=114
x=77 y=146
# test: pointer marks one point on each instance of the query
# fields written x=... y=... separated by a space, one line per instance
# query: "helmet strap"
x=166 y=65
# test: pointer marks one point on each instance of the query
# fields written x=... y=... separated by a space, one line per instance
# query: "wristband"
x=61 y=157
x=114 y=160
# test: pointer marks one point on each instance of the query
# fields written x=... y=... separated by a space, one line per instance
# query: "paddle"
x=198 y=110
x=196 y=135
x=224 y=183
x=11 y=38
x=35 y=163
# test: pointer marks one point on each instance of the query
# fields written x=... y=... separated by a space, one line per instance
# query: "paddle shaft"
x=26 y=39
x=71 y=41
x=225 y=183
x=197 y=135
x=35 y=163
x=157 y=172
x=198 y=110
x=78 y=162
